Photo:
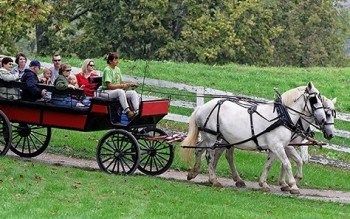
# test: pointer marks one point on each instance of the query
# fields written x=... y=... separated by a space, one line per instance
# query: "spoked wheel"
x=156 y=154
x=5 y=134
x=118 y=152
x=29 y=140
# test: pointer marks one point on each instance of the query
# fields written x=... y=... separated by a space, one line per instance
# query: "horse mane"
x=289 y=97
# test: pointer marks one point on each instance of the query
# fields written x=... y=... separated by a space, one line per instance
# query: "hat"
x=34 y=63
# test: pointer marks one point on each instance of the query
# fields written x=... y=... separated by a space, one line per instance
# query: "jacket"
x=9 y=93
x=31 y=91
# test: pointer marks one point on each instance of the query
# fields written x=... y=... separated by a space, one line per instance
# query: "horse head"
x=328 y=127
x=314 y=104
x=305 y=101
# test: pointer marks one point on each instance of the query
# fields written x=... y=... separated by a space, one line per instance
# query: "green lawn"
x=34 y=190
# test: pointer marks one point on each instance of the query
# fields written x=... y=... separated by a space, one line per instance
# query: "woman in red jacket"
x=83 y=77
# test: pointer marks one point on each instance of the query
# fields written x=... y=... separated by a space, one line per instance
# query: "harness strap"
x=252 y=110
x=268 y=129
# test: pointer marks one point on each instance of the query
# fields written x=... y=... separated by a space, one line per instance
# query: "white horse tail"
x=190 y=140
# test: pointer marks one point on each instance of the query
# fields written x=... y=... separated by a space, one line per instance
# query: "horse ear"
x=310 y=85
x=334 y=100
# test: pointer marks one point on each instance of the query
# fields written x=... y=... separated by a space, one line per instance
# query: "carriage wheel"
x=156 y=155
x=29 y=140
x=5 y=134
x=118 y=152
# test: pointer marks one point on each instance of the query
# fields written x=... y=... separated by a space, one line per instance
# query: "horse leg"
x=304 y=153
x=214 y=156
x=292 y=153
x=279 y=151
x=197 y=164
x=235 y=175
x=271 y=157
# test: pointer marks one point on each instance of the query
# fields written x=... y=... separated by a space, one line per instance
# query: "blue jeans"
x=64 y=101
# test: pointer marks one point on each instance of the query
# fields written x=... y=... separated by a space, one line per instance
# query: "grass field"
x=34 y=190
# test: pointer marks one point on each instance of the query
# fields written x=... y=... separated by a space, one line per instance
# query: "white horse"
x=328 y=132
x=291 y=152
x=230 y=121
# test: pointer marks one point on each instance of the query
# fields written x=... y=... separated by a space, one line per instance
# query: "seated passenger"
x=56 y=61
x=45 y=78
x=31 y=90
x=21 y=61
x=72 y=79
x=5 y=74
x=114 y=87
x=83 y=77
x=61 y=83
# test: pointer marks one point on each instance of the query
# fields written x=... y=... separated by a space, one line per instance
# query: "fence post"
x=200 y=96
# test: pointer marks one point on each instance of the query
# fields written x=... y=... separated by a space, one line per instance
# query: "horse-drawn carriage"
x=127 y=146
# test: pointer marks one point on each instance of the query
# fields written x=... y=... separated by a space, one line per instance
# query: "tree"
x=18 y=19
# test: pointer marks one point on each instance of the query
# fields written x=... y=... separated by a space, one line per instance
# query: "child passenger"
x=72 y=79
x=46 y=77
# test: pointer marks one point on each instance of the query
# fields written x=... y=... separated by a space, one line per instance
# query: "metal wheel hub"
x=152 y=152
x=24 y=131
x=118 y=154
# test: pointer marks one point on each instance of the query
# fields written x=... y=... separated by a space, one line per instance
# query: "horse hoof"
x=294 y=191
x=190 y=176
x=266 y=189
x=240 y=184
x=285 y=188
x=217 y=184
x=298 y=178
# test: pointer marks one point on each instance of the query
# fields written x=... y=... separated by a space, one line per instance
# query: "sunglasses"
x=56 y=60
x=68 y=69
x=92 y=65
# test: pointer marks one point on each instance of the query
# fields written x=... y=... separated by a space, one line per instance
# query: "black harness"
x=283 y=119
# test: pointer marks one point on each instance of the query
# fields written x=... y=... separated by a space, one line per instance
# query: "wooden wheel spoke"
x=155 y=163
x=34 y=145
x=123 y=161
x=110 y=163
x=19 y=141
x=107 y=159
x=158 y=155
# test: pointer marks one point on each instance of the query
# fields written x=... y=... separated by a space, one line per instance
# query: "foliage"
x=268 y=32
x=18 y=19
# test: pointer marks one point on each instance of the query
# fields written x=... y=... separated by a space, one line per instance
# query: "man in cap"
x=31 y=91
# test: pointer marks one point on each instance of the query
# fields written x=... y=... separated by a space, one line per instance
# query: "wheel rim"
x=156 y=155
x=5 y=134
x=29 y=140
x=118 y=152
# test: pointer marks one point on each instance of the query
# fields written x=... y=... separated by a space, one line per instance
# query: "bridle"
x=332 y=113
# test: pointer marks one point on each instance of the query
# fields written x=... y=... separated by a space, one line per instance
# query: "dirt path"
x=324 y=195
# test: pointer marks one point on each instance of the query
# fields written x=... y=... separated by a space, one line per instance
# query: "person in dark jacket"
x=31 y=91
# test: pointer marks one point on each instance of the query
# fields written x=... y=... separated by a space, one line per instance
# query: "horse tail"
x=190 y=140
